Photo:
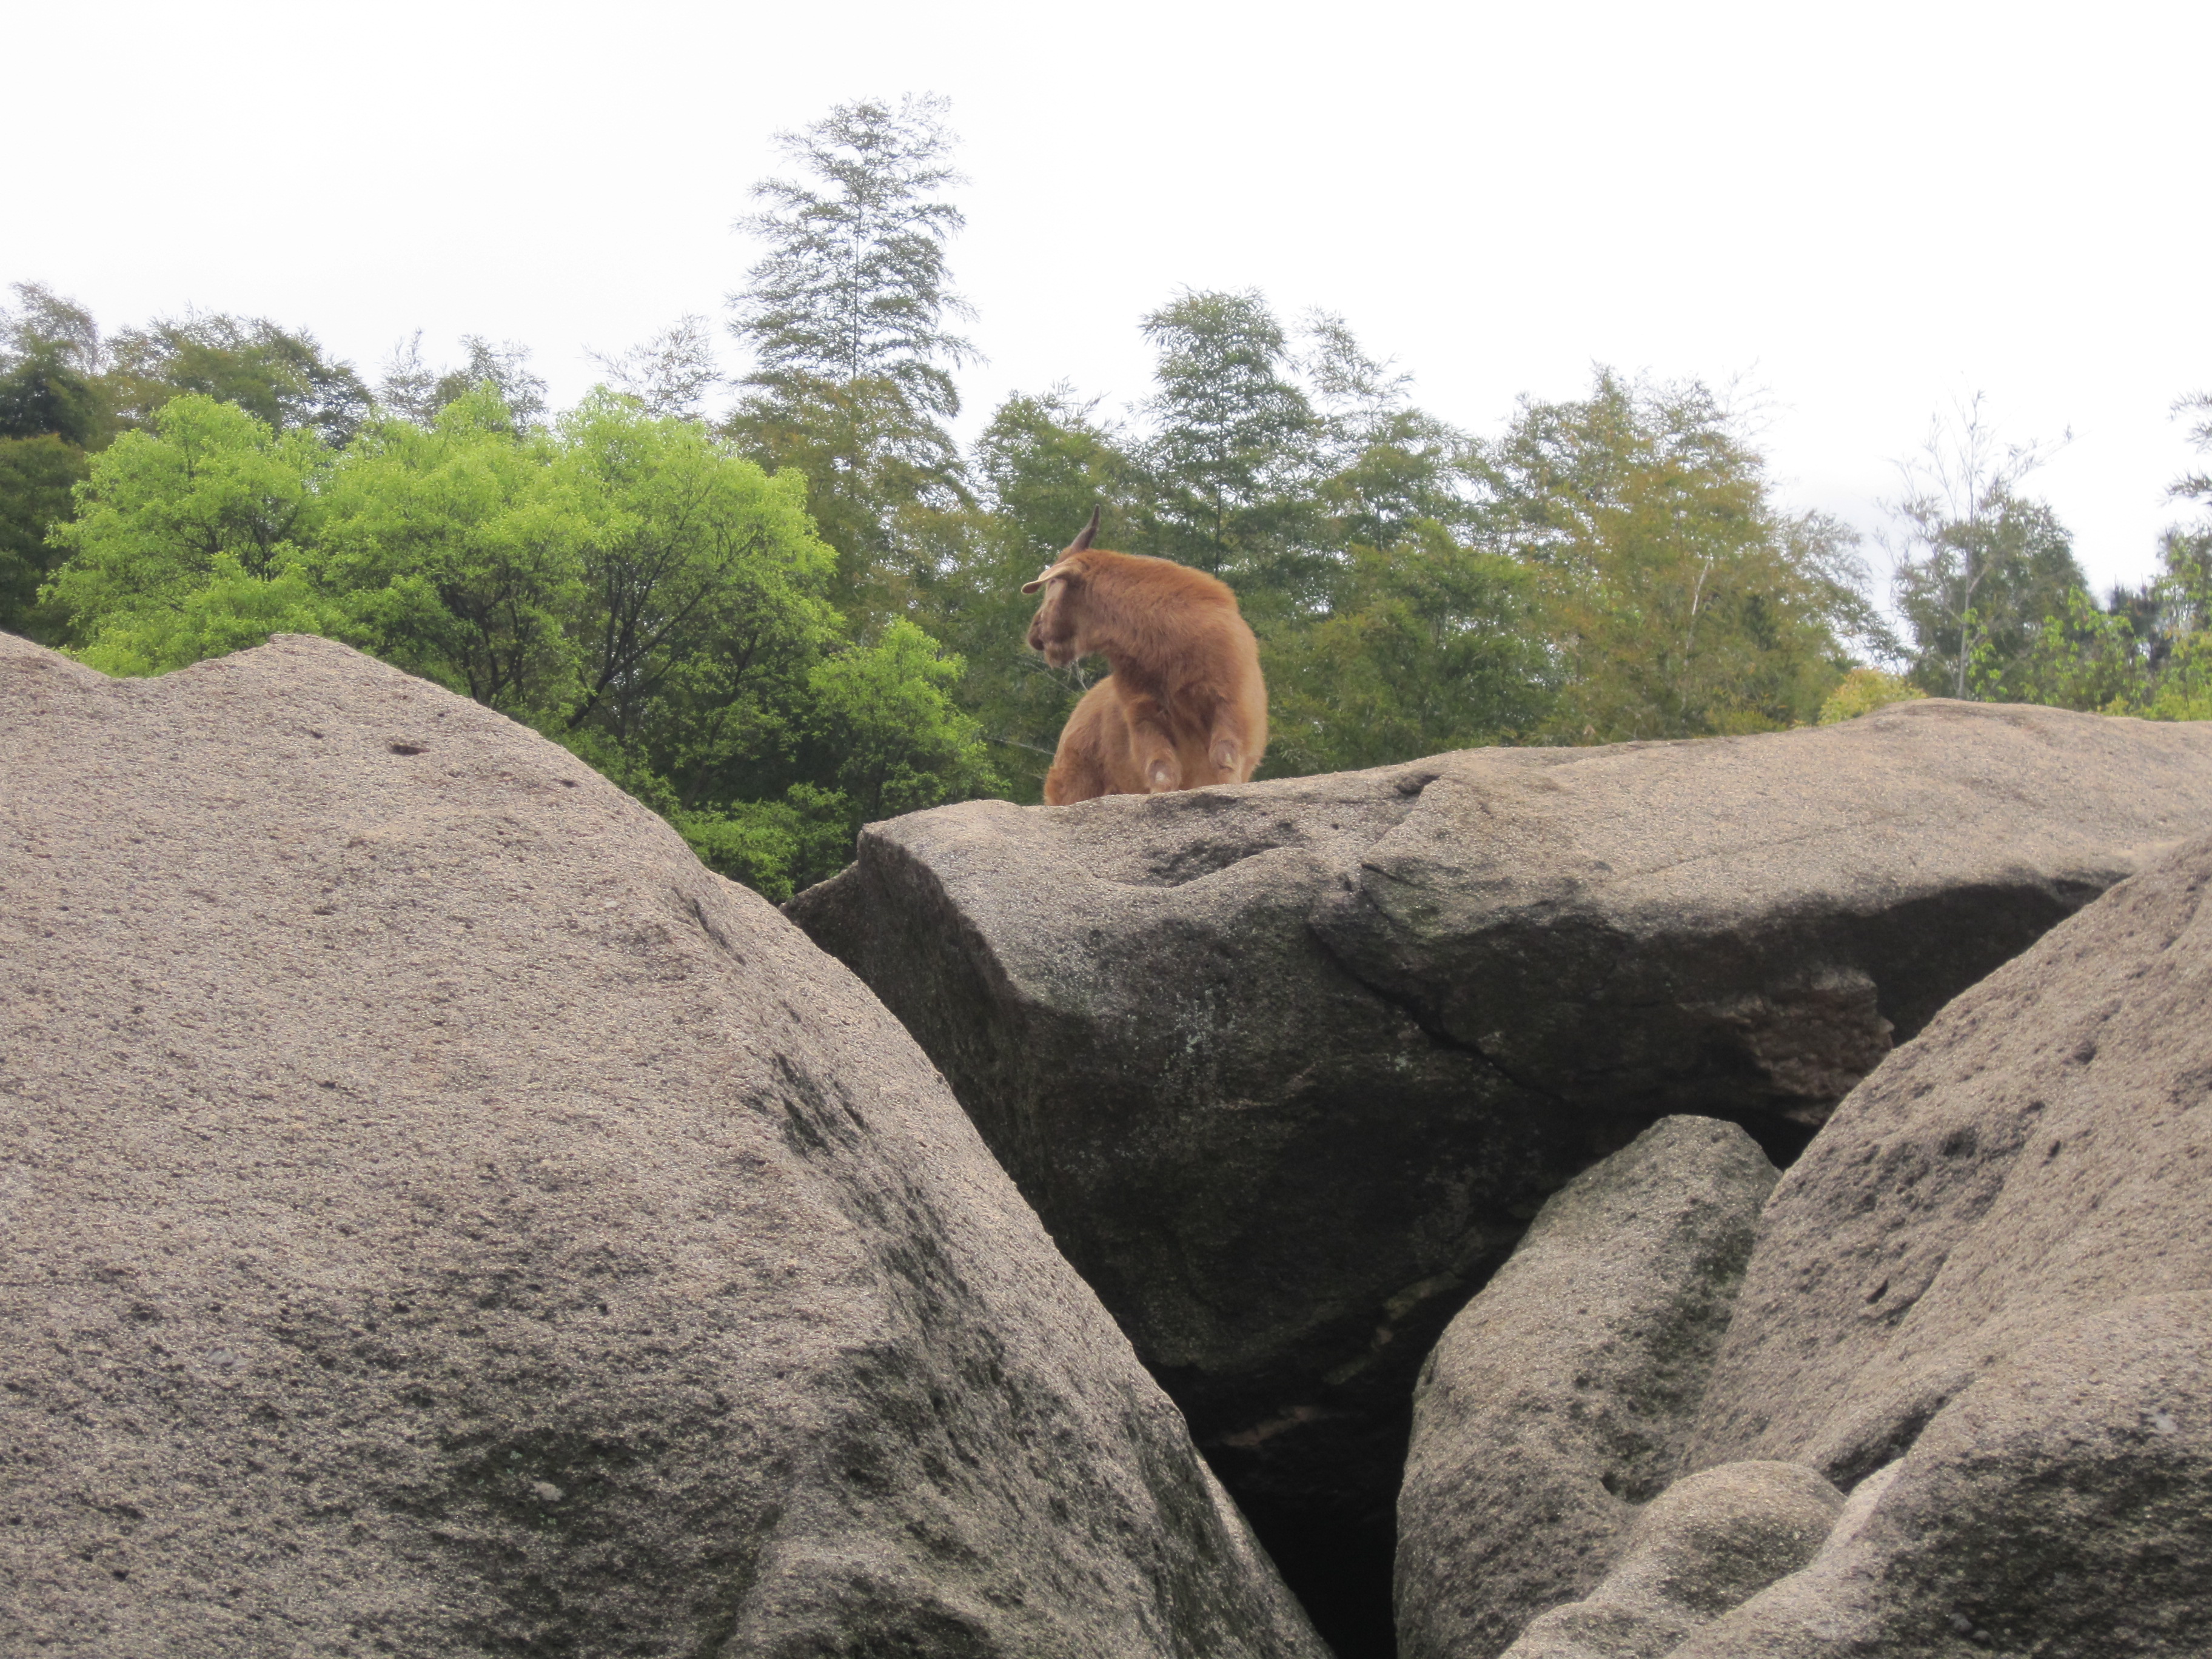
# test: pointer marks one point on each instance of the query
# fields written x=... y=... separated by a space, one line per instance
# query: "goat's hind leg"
x=1151 y=745
x=1229 y=749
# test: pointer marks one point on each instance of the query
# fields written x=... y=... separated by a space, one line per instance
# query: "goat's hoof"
x=1161 y=778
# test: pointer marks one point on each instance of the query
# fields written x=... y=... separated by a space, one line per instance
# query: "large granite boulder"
x=1991 y=1277
x=1558 y=1404
x=1286 y=1067
x=440 y=1218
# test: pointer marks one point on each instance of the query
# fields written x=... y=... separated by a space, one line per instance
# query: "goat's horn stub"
x=1088 y=531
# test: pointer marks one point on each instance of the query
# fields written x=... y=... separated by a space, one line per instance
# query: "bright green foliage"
x=1863 y=690
x=460 y=555
x=885 y=713
x=703 y=608
x=228 y=610
x=622 y=582
x=1681 y=602
x=207 y=496
x=775 y=846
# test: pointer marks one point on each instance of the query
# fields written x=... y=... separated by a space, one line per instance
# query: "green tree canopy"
x=38 y=476
x=207 y=494
x=624 y=582
x=460 y=555
x=1681 y=601
x=278 y=376
x=1043 y=462
x=2148 y=651
x=1431 y=644
x=52 y=410
x=412 y=390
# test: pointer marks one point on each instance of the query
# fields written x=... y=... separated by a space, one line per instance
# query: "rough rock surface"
x=2060 y=1507
x=1701 y=1548
x=441 y=1218
x=1995 y=1264
x=2041 y=1152
x=1285 y=1067
x=1559 y=1399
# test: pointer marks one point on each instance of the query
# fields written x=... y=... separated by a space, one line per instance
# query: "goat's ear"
x=1043 y=576
x=1088 y=531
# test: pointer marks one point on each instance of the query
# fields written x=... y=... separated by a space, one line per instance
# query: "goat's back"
x=1179 y=649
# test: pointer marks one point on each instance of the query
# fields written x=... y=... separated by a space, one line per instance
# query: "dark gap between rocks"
x=1340 y=1571
x=1341 y=1567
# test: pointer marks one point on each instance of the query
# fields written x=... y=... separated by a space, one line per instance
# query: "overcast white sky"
x=1871 y=211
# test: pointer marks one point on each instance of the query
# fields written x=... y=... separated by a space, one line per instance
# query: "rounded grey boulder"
x=1559 y=1400
x=443 y=1219
x=1982 y=1302
x=1707 y=1544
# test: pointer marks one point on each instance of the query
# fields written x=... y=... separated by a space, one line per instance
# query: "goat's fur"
x=1184 y=705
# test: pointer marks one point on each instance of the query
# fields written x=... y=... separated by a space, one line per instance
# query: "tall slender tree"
x=1231 y=456
x=848 y=317
x=1980 y=564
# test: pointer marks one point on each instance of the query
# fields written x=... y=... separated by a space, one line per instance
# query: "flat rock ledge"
x=443 y=1219
x=1287 y=1067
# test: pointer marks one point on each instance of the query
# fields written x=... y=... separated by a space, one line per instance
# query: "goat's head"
x=1056 y=630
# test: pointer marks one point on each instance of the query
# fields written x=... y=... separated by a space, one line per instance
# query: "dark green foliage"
x=1985 y=586
x=1230 y=465
x=279 y=377
x=1044 y=462
x=2148 y=651
x=52 y=412
x=1679 y=600
x=42 y=395
x=36 y=476
x=1430 y=644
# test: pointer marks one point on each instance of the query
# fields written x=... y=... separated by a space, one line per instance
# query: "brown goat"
x=1184 y=705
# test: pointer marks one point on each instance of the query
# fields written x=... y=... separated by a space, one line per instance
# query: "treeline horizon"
x=777 y=620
